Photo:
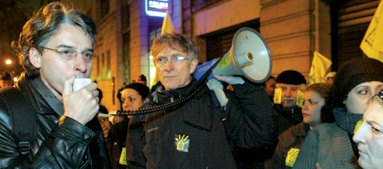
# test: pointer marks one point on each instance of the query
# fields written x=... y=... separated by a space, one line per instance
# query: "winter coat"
x=289 y=145
x=196 y=134
x=287 y=117
x=328 y=145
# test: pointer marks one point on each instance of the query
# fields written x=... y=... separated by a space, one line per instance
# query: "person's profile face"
x=172 y=75
x=105 y=125
x=54 y=69
x=311 y=109
x=270 y=87
x=369 y=137
x=289 y=94
x=358 y=97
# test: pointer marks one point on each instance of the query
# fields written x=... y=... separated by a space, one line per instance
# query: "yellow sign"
x=360 y=122
x=123 y=156
x=292 y=156
x=278 y=96
x=300 y=97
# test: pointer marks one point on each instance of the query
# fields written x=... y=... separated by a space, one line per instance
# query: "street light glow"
x=15 y=79
x=8 y=61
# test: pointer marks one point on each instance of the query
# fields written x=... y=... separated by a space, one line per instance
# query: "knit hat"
x=143 y=90
x=291 y=77
x=353 y=73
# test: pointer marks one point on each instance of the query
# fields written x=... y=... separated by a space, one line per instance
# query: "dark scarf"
x=161 y=96
x=346 y=121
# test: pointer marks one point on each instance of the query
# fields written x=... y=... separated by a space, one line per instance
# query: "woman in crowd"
x=132 y=98
x=104 y=122
x=330 y=144
x=369 y=136
x=291 y=140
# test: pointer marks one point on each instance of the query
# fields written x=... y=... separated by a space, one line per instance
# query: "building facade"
x=293 y=30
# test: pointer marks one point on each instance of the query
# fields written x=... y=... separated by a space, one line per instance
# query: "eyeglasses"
x=70 y=54
x=380 y=94
x=174 y=59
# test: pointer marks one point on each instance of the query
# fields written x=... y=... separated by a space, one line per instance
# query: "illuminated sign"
x=156 y=7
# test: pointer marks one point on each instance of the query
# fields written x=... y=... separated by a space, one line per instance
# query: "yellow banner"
x=373 y=39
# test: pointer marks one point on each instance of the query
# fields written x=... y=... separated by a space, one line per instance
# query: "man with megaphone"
x=196 y=133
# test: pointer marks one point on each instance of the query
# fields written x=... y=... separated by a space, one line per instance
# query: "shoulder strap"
x=24 y=122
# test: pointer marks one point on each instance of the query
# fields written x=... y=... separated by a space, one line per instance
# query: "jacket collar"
x=40 y=95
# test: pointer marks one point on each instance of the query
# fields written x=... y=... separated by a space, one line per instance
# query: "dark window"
x=218 y=43
x=104 y=7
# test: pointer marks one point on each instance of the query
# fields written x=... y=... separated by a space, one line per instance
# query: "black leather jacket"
x=59 y=142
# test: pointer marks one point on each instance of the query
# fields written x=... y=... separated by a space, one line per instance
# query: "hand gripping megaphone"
x=249 y=56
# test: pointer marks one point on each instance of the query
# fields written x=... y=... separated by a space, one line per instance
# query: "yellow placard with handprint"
x=292 y=156
x=278 y=96
x=300 y=96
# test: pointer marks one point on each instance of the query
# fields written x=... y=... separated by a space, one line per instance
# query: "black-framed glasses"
x=380 y=94
x=70 y=54
x=174 y=59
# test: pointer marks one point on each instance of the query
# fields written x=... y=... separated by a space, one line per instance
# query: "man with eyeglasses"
x=195 y=133
x=55 y=47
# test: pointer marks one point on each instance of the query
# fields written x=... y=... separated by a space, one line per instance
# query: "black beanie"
x=143 y=90
x=353 y=73
x=291 y=77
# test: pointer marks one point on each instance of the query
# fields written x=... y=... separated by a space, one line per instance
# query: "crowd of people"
x=282 y=123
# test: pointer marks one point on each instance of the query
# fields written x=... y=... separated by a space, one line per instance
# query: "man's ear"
x=193 y=65
x=35 y=57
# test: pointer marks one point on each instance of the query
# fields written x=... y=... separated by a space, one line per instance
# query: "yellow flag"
x=167 y=27
x=319 y=68
x=373 y=39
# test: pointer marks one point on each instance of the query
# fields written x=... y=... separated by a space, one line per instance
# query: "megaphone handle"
x=204 y=77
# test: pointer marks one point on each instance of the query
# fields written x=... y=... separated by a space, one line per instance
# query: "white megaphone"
x=249 y=56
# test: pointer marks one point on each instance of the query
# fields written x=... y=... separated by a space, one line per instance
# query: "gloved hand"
x=217 y=87
x=230 y=79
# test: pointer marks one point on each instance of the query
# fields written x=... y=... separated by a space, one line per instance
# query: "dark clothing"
x=331 y=144
x=287 y=117
x=196 y=134
x=291 y=138
x=348 y=121
x=328 y=145
x=59 y=142
x=117 y=140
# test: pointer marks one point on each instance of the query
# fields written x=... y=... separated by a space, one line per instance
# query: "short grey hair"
x=177 y=42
